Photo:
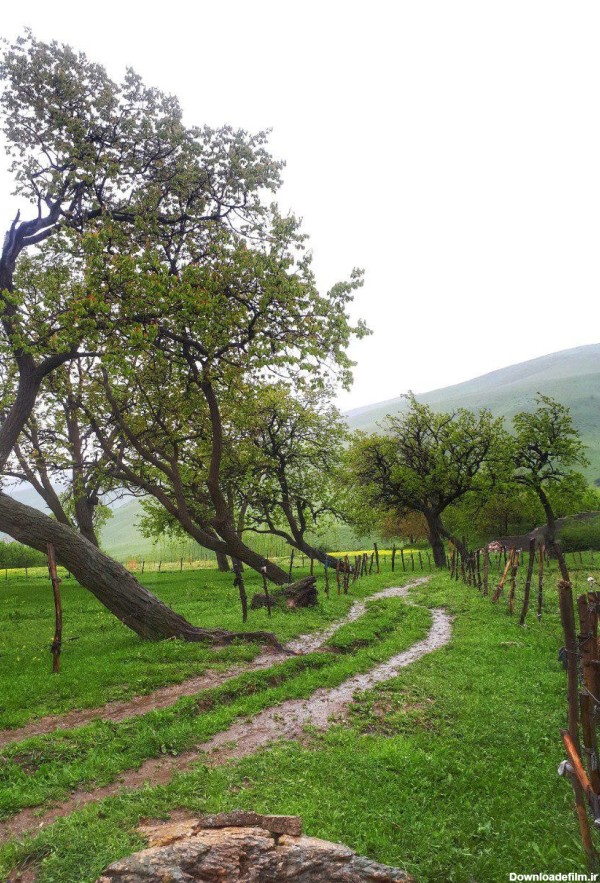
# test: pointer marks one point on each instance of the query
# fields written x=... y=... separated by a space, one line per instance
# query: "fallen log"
x=302 y=593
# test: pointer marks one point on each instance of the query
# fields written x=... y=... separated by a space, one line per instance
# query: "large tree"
x=108 y=163
x=546 y=446
x=425 y=461
x=207 y=336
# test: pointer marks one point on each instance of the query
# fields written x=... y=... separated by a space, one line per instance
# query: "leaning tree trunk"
x=109 y=581
x=238 y=549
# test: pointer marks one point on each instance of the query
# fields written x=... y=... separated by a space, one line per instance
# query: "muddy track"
x=168 y=695
x=286 y=720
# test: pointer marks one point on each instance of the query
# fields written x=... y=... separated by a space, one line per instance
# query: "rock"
x=202 y=850
x=163 y=833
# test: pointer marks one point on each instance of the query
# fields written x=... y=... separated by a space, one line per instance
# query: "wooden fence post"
x=486 y=570
x=57 y=642
x=238 y=583
x=376 y=553
x=541 y=582
x=291 y=564
x=402 y=557
x=393 y=557
x=587 y=606
x=513 y=581
x=528 y=579
x=263 y=571
x=500 y=585
x=567 y=616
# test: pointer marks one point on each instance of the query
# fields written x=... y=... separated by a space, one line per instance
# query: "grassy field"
x=449 y=770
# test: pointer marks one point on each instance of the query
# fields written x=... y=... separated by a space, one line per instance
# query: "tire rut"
x=163 y=697
x=244 y=737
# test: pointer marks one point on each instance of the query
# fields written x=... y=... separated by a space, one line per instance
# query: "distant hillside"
x=571 y=376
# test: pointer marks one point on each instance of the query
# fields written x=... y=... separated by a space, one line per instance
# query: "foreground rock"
x=244 y=847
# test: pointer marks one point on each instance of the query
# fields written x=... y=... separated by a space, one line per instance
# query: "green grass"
x=102 y=660
x=45 y=768
x=449 y=770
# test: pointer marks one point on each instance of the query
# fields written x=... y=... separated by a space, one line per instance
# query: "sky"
x=451 y=149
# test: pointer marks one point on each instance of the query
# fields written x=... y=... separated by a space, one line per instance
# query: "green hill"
x=571 y=376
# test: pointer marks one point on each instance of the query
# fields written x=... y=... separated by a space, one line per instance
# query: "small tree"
x=426 y=462
x=545 y=448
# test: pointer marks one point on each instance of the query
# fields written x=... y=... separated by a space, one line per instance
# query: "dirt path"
x=168 y=695
x=244 y=737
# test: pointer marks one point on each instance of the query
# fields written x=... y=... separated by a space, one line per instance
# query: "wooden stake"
x=528 y=579
x=402 y=558
x=56 y=645
x=582 y=789
x=393 y=557
x=541 y=582
x=239 y=584
x=513 y=581
x=291 y=564
x=588 y=648
x=567 y=617
x=500 y=585
x=326 y=578
x=486 y=571
x=263 y=570
x=376 y=553
x=337 y=575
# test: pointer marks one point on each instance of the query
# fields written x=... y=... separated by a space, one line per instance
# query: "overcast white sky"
x=452 y=149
